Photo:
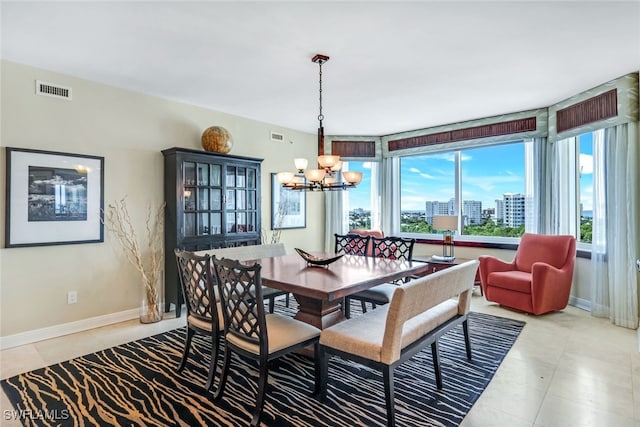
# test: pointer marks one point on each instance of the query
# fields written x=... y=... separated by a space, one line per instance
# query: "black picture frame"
x=53 y=198
x=288 y=207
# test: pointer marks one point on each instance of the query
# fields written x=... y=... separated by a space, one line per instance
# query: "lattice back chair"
x=204 y=312
x=252 y=333
x=351 y=244
x=389 y=247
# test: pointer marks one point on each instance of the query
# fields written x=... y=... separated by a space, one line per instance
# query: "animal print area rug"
x=137 y=384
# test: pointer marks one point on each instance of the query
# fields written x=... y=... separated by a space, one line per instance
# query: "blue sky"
x=487 y=173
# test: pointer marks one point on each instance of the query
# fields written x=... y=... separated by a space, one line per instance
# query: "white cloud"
x=586 y=164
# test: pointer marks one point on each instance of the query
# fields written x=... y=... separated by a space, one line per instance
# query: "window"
x=362 y=201
x=585 y=185
x=484 y=186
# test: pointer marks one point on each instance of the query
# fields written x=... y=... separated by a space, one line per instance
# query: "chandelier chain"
x=320 y=116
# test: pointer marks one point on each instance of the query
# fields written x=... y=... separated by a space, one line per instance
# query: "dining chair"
x=389 y=247
x=204 y=312
x=420 y=312
x=249 y=252
x=252 y=333
x=351 y=244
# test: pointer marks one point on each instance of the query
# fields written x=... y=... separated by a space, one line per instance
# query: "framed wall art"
x=53 y=198
x=288 y=207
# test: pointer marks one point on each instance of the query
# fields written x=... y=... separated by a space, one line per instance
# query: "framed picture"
x=53 y=198
x=288 y=207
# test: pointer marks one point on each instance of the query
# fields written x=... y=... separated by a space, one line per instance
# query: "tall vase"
x=151 y=307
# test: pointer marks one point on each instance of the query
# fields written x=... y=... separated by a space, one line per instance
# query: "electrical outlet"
x=72 y=297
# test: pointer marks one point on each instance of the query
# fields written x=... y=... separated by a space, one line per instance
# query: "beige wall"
x=129 y=130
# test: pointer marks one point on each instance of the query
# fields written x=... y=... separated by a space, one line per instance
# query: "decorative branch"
x=149 y=264
x=281 y=213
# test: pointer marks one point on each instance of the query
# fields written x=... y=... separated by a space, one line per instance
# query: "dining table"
x=320 y=290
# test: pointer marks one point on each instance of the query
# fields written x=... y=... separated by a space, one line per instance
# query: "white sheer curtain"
x=616 y=233
x=564 y=216
x=335 y=218
x=538 y=179
x=390 y=206
x=376 y=196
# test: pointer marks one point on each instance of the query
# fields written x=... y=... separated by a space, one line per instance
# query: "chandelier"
x=324 y=177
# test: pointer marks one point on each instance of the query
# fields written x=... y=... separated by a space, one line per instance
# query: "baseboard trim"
x=66 y=328
x=581 y=303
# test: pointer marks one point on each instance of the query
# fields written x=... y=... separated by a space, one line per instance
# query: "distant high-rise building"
x=514 y=209
x=499 y=210
x=436 y=208
x=471 y=212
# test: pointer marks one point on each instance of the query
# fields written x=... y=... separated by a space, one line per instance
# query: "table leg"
x=319 y=313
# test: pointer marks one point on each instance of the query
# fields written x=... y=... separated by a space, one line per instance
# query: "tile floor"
x=566 y=369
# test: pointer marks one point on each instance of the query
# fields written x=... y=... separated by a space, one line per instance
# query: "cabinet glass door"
x=189 y=173
x=216 y=199
x=216 y=223
x=203 y=174
x=231 y=176
x=216 y=176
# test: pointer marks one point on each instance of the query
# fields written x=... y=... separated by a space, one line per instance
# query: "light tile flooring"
x=566 y=369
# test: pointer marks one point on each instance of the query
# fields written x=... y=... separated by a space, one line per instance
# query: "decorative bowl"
x=314 y=260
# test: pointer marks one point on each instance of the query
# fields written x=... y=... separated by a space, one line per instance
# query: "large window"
x=361 y=202
x=484 y=187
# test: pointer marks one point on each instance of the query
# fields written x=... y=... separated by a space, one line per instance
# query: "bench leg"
x=467 y=341
x=436 y=364
x=387 y=372
x=322 y=373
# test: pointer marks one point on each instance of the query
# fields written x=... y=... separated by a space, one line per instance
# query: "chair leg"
x=322 y=369
x=347 y=307
x=225 y=371
x=286 y=300
x=214 y=360
x=272 y=304
x=364 y=306
x=317 y=369
x=262 y=388
x=387 y=373
x=187 y=345
x=467 y=341
x=436 y=364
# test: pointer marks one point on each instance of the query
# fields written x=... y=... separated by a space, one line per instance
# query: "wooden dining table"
x=319 y=290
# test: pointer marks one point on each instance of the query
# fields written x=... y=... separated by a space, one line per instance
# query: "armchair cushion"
x=519 y=281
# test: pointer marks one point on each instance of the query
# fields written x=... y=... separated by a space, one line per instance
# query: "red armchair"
x=538 y=280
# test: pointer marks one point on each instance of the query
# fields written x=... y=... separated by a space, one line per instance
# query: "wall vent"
x=276 y=136
x=53 y=90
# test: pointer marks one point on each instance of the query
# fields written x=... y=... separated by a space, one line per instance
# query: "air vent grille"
x=276 y=136
x=53 y=90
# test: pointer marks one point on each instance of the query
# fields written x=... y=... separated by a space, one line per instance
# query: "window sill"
x=507 y=243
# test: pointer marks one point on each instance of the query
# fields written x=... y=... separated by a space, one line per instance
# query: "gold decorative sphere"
x=217 y=139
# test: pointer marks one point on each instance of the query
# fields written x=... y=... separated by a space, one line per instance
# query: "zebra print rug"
x=137 y=384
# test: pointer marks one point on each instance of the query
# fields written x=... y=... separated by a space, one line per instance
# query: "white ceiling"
x=394 y=66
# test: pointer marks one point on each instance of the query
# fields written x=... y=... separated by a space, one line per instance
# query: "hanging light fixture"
x=323 y=178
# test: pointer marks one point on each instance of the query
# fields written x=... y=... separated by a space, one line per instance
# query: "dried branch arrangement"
x=281 y=213
x=146 y=257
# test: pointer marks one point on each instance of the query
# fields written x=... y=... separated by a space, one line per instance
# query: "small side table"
x=437 y=265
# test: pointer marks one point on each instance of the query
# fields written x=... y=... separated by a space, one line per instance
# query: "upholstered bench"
x=420 y=312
